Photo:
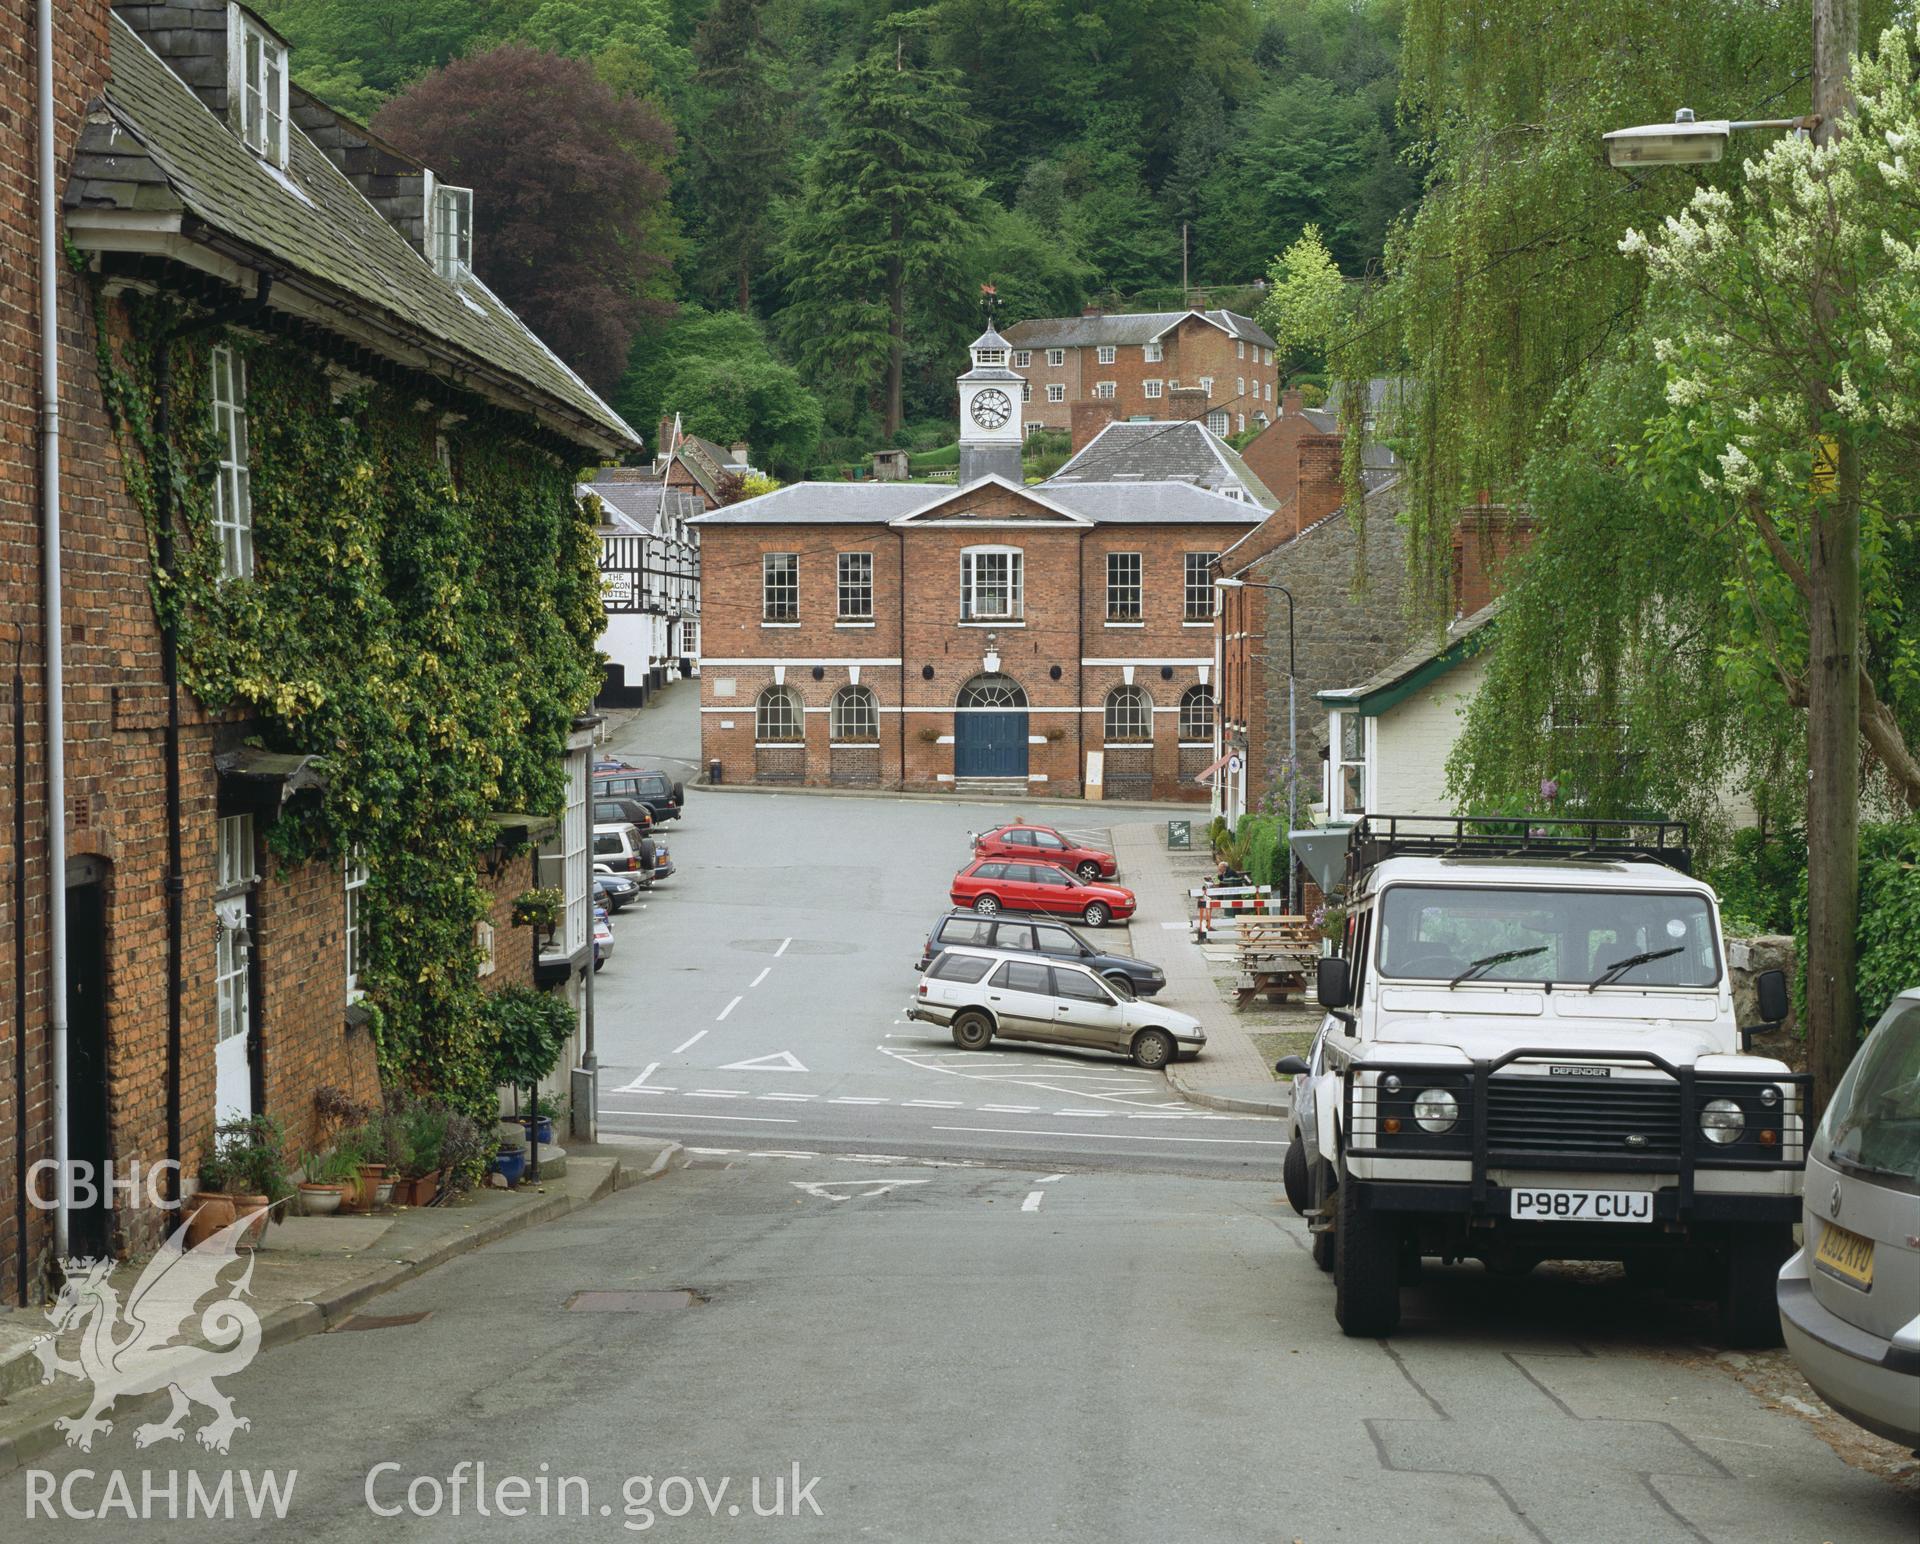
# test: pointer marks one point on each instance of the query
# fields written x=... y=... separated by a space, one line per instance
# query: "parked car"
x=656 y=790
x=618 y=848
x=1021 y=840
x=1850 y=1299
x=633 y=812
x=654 y=853
x=615 y=891
x=979 y=994
x=990 y=886
x=1030 y=935
x=602 y=937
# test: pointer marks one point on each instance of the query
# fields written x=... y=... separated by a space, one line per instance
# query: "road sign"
x=1826 y=463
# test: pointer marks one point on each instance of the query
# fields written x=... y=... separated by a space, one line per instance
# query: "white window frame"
x=1026 y=395
x=853 y=582
x=1206 y=384
x=1126 y=590
x=790 y=707
x=1240 y=423
x=1239 y=385
x=1197 y=715
x=1011 y=583
x=483 y=943
x=1151 y=390
x=1056 y=393
x=853 y=717
x=257 y=86
x=232 y=482
x=1105 y=353
x=449 y=229
x=1338 y=763
x=1104 y=390
x=1217 y=421
x=1152 y=352
x=1239 y=348
x=1056 y=357
x=576 y=840
x=1198 y=576
x=991 y=356
x=1023 y=359
x=354 y=874
x=234 y=879
x=1127 y=716
x=776 y=585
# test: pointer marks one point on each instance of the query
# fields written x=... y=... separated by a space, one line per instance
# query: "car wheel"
x=1118 y=979
x=1323 y=1250
x=1096 y=914
x=1152 y=1048
x=973 y=1031
x=1293 y=1177
x=1366 y=1267
x=1749 y=1307
x=986 y=905
x=1088 y=871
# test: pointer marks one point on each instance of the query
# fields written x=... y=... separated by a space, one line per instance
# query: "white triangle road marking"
x=780 y=1061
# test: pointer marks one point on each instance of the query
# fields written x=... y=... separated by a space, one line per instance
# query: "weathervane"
x=989 y=302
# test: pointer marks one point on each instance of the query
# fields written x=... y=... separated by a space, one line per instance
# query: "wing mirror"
x=1770 y=990
x=1290 y=1066
x=1332 y=984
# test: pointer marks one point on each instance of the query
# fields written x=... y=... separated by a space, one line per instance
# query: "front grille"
x=1596 y=1117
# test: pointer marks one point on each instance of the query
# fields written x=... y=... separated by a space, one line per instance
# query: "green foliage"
x=1889 y=935
x=249 y=1158
x=331 y=1165
x=1307 y=307
x=432 y=639
x=526 y=1031
x=1759 y=879
x=1260 y=846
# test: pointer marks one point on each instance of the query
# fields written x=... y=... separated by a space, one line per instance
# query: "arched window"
x=1196 y=713
x=992 y=691
x=1129 y=714
x=777 y=717
x=854 y=716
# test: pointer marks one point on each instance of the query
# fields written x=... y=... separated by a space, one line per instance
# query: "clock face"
x=992 y=408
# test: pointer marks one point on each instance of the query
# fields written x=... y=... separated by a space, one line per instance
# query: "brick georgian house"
x=1216 y=366
x=989 y=636
x=215 y=218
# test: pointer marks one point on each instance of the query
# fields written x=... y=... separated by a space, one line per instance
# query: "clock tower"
x=990 y=428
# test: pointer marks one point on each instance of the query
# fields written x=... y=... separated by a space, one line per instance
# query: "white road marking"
x=728 y=1009
x=1009 y=1109
x=862 y=1190
x=1114 y=1136
x=1032 y=1202
x=652 y=1067
x=779 y=1061
x=790 y=1096
x=847 y=1099
x=783 y=948
x=1051 y=1178
x=782 y=1153
x=759 y=978
x=717 y=1093
x=685 y=1044
x=934 y=1104
x=765 y=1120
x=1096 y=1114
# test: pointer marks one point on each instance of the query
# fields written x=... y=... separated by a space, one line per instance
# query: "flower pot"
x=510 y=1163
x=209 y=1212
x=383 y=1191
x=321 y=1200
x=254 y=1207
x=366 y=1187
x=418 y=1191
x=545 y=1129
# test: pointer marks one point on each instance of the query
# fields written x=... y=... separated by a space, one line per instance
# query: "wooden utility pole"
x=1833 y=648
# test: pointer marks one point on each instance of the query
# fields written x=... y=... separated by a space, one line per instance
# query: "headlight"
x=1436 y=1110
x=1723 y=1121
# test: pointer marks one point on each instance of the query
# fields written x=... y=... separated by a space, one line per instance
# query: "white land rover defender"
x=1530 y=1053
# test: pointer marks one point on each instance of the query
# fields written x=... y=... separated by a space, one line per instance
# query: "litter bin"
x=713 y=770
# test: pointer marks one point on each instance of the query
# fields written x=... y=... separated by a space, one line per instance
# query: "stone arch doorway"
x=990 y=728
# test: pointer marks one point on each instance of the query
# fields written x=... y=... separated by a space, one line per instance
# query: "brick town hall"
x=990 y=637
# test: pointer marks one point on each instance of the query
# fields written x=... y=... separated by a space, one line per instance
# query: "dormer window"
x=450 y=230
x=257 y=85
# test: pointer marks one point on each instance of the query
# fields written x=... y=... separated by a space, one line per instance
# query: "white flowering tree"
x=1786 y=315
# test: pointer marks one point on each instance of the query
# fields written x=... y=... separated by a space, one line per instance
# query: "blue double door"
x=990 y=744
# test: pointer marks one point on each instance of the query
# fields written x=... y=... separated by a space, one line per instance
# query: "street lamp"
x=1686 y=141
x=1293 y=755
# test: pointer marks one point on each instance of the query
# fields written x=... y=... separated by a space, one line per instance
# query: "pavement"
x=313 y=1274
x=1232 y=1074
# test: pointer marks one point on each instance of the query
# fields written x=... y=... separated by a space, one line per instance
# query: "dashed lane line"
x=687 y=1044
x=726 y=1010
x=1114 y=1136
x=1032 y=1202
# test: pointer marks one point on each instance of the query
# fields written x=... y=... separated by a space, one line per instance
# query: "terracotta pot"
x=367 y=1185
x=248 y=1206
x=321 y=1200
x=418 y=1191
x=209 y=1212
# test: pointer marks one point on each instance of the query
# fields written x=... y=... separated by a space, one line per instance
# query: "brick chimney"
x=1485 y=538
x=740 y=452
x=666 y=435
x=1093 y=311
x=1087 y=420
x=1319 y=485
x=1292 y=402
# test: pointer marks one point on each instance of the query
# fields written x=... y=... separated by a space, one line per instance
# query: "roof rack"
x=1378 y=837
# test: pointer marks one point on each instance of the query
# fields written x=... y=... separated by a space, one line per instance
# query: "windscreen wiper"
x=1620 y=967
x=1487 y=962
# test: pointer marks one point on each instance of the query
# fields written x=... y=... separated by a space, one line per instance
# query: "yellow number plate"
x=1847 y=1255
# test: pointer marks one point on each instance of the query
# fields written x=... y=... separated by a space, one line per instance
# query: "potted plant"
x=529 y=1029
x=541 y=1114
x=426 y=1131
x=538 y=908
x=364 y=1143
x=250 y=1156
x=510 y=1162
x=465 y=1154
x=328 y=1178
x=212 y=1206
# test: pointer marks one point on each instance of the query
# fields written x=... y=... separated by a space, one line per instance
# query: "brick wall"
x=1485 y=539
x=1193 y=349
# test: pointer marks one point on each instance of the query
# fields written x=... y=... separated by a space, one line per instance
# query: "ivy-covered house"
x=328 y=617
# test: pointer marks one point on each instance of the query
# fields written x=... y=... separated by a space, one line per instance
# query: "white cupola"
x=990 y=420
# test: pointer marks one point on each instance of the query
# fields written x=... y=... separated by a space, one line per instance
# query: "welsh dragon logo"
x=152 y=1343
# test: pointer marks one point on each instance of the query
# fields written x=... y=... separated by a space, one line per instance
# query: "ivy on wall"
x=427 y=628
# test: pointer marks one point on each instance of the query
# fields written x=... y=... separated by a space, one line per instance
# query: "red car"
x=1048 y=846
x=990 y=885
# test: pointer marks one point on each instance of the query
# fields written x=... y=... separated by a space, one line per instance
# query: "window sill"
x=853 y=624
x=1001 y=622
x=1127 y=745
x=1123 y=624
x=779 y=624
x=359 y=1013
x=1207 y=625
x=853 y=745
x=779 y=745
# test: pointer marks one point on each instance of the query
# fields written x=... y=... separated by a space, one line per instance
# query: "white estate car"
x=1850 y=1299
x=1530 y=1053
x=983 y=993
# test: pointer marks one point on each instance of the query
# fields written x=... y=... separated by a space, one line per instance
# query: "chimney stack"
x=1087 y=419
x=741 y=451
x=1292 y=402
x=1319 y=484
x=666 y=436
x=1486 y=537
x=1093 y=311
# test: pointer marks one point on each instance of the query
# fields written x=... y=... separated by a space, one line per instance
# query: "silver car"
x=1850 y=1299
x=984 y=994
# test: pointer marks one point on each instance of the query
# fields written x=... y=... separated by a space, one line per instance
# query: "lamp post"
x=1293 y=755
x=1687 y=141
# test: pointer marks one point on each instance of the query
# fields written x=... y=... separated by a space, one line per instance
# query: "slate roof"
x=1128 y=329
x=633 y=504
x=1427 y=652
x=1181 y=450
x=875 y=503
x=158 y=150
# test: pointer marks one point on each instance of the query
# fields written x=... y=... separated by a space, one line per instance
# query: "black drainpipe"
x=1080 y=670
x=170 y=674
x=900 y=589
x=21 y=1101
